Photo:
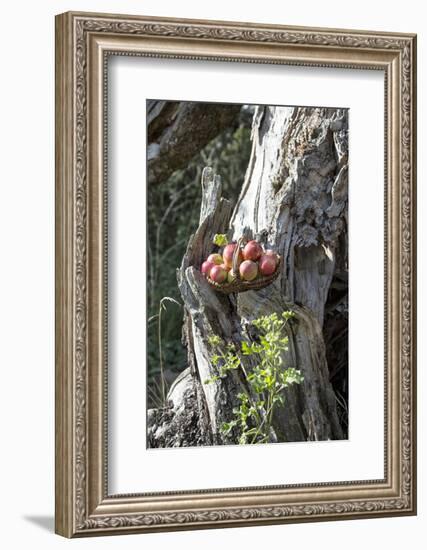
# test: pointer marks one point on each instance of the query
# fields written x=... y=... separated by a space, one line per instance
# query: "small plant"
x=267 y=380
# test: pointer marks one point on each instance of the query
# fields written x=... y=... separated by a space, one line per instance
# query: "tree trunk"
x=294 y=200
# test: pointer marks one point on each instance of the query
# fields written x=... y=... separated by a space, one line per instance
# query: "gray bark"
x=294 y=200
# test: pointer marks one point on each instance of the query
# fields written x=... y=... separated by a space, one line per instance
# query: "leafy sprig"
x=267 y=381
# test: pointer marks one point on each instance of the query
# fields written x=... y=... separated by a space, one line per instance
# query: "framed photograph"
x=235 y=274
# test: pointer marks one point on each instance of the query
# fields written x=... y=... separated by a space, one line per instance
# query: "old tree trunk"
x=294 y=200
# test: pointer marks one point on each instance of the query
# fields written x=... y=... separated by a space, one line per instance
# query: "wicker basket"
x=239 y=285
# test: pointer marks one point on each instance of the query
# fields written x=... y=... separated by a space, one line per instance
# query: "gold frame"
x=83 y=42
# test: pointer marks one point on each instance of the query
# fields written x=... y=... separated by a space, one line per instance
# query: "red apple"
x=215 y=259
x=225 y=266
x=267 y=264
x=218 y=274
x=248 y=270
x=206 y=268
x=252 y=251
x=228 y=252
x=272 y=254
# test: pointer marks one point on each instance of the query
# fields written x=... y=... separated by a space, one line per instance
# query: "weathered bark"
x=179 y=130
x=294 y=200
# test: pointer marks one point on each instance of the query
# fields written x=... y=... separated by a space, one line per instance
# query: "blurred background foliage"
x=173 y=208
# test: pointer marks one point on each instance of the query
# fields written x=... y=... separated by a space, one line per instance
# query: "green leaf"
x=246 y=349
x=288 y=314
x=220 y=239
x=214 y=340
x=215 y=359
x=226 y=427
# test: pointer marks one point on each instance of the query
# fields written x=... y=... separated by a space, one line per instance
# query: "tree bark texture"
x=294 y=200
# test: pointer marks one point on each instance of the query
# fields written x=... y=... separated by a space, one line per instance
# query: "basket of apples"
x=242 y=265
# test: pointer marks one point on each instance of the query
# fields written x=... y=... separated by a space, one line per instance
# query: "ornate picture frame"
x=83 y=43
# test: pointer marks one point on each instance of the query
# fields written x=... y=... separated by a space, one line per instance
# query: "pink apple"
x=267 y=264
x=228 y=252
x=231 y=276
x=218 y=274
x=248 y=270
x=215 y=259
x=206 y=267
x=225 y=266
x=252 y=251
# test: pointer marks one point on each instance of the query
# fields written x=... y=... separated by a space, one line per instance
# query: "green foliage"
x=267 y=381
x=220 y=239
